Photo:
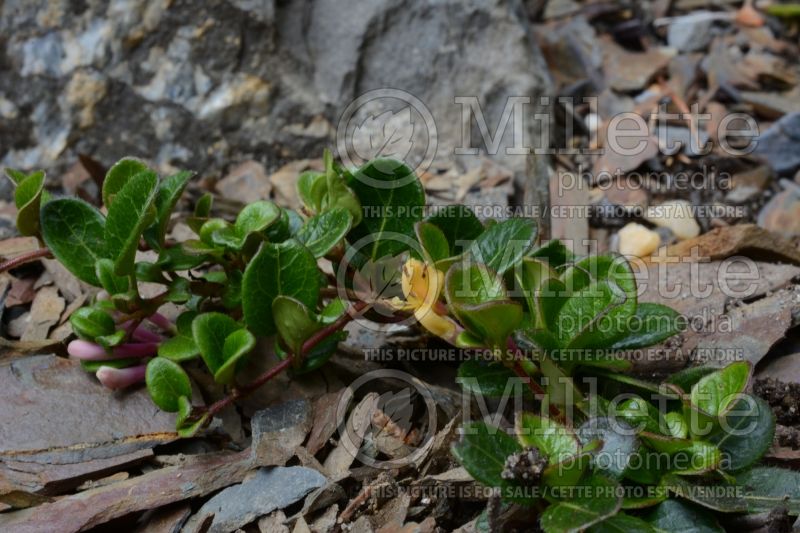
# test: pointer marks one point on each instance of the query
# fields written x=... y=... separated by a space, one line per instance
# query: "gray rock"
x=207 y=85
x=779 y=146
x=690 y=33
x=270 y=489
x=279 y=430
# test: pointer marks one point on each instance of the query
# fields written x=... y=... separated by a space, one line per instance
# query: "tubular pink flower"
x=85 y=350
x=144 y=335
x=119 y=378
x=89 y=351
x=161 y=321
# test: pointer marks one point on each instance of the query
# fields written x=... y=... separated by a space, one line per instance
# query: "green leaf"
x=287 y=269
x=676 y=425
x=15 y=176
x=622 y=523
x=324 y=231
x=336 y=192
x=530 y=278
x=209 y=331
x=256 y=217
x=640 y=414
x=716 y=393
x=119 y=175
x=687 y=457
x=746 y=434
x=166 y=383
x=476 y=296
x=767 y=487
x=675 y=515
x=130 y=213
x=237 y=345
x=294 y=322
x=553 y=439
x=433 y=241
x=686 y=378
x=651 y=324
x=503 y=245
x=392 y=200
x=188 y=423
x=459 y=225
x=91 y=322
x=311 y=188
x=181 y=346
x=483 y=450
x=596 y=501
x=619 y=444
x=113 y=284
x=554 y=252
x=486 y=379
x=28 y=197
x=74 y=231
x=169 y=192
x=717 y=496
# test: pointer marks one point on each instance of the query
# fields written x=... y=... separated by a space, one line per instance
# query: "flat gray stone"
x=270 y=489
x=779 y=146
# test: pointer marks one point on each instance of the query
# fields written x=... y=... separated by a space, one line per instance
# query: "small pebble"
x=675 y=215
x=637 y=240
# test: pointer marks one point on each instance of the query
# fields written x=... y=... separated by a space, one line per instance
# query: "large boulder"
x=206 y=84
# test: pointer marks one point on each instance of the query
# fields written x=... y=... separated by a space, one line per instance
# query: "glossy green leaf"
x=622 y=523
x=237 y=345
x=619 y=444
x=676 y=425
x=596 y=501
x=392 y=200
x=530 y=277
x=490 y=380
x=166 y=383
x=651 y=324
x=715 y=495
x=311 y=187
x=717 y=392
x=768 y=487
x=321 y=233
x=16 y=176
x=181 y=346
x=113 y=284
x=746 y=433
x=188 y=423
x=169 y=192
x=554 y=252
x=675 y=515
x=209 y=331
x=28 y=198
x=74 y=232
x=91 y=322
x=686 y=378
x=294 y=322
x=287 y=269
x=119 y=175
x=130 y=213
x=687 y=457
x=459 y=225
x=503 y=245
x=256 y=216
x=434 y=243
x=482 y=451
x=553 y=439
x=640 y=414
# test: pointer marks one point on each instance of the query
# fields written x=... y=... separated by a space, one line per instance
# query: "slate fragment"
x=196 y=476
x=279 y=430
x=779 y=146
x=270 y=489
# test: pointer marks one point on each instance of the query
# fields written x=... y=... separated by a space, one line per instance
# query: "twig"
x=355 y=310
x=28 y=257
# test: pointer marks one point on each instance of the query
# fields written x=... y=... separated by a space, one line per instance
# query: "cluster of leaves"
x=540 y=313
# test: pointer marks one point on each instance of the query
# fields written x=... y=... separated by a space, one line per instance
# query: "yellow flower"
x=422 y=286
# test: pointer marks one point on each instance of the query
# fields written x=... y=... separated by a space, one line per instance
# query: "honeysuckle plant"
x=363 y=247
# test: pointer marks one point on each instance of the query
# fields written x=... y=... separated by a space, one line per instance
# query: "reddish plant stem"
x=28 y=257
x=536 y=389
x=355 y=310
